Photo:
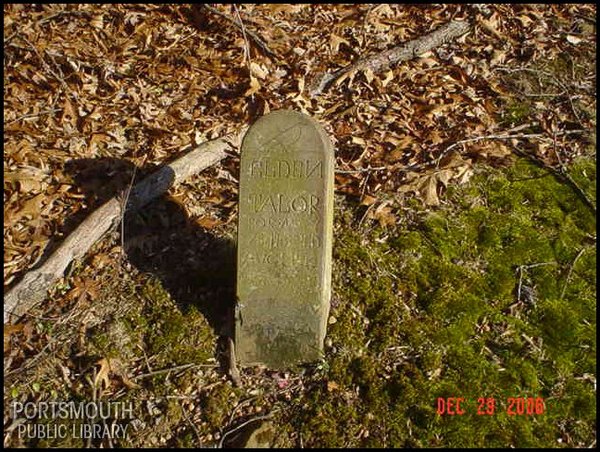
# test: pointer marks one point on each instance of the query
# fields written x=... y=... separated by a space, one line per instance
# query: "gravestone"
x=284 y=241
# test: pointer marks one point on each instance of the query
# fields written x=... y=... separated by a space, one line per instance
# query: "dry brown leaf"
x=332 y=386
x=9 y=330
x=574 y=39
x=112 y=366
x=367 y=200
x=428 y=190
x=258 y=70
x=335 y=41
x=383 y=214
x=254 y=86
x=208 y=222
x=32 y=206
x=98 y=22
x=103 y=373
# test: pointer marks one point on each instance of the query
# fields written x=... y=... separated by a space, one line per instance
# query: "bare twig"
x=238 y=406
x=246 y=43
x=233 y=370
x=503 y=136
x=362 y=170
x=520 y=269
x=171 y=369
x=124 y=201
x=584 y=17
x=562 y=293
x=238 y=23
x=30 y=362
x=46 y=19
x=33 y=115
x=44 y=64
x=560 y=173
x=364 y=26
x=557 y=81
x=246 y=47
x=196 y=431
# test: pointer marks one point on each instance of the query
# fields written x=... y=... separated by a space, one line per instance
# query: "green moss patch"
x=493 y=297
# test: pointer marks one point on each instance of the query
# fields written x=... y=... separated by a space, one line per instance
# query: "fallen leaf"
x=367 y=200
x=208 y=222
x=332 y=386
x=258 y=70
x=428 y=190
x=254 y=86
x=383 y=214
x=98 y=22
x=103 y=374
x=116 y=367
x=335 y=41
x=9 y=330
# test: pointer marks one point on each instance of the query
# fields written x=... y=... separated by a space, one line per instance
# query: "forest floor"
x=464 y=237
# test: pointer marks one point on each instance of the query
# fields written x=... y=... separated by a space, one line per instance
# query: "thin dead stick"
x=233 y=370
x=124 y=206
x=255 y=38
x=557 y=81
x=364 y=26
x=393 y=56
x=246 y=48
x=238 y=406
x=33 y=115
x=562 y=293
x=32 y=289
x=246 y=44
x=503 y=136
x=362 y=170
x=196 y=431
x=30 y=362
x=46 y=65
x=171 y=369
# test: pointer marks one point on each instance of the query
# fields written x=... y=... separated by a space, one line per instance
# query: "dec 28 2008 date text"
x=489 y=406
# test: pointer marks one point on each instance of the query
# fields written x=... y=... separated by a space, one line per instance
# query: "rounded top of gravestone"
x=284 y=131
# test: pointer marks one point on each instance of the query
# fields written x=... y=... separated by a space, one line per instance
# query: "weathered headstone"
x=284 y=241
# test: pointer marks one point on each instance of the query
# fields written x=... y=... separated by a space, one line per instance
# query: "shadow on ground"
x=194 y=266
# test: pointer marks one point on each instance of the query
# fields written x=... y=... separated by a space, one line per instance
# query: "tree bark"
x=384 y=60
x=32 y=289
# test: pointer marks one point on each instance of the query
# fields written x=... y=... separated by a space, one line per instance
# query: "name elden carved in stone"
x=286 y=168
x=284 y=241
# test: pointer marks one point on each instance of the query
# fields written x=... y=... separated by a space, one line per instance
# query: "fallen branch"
x=384 y=60
x=33 y=287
